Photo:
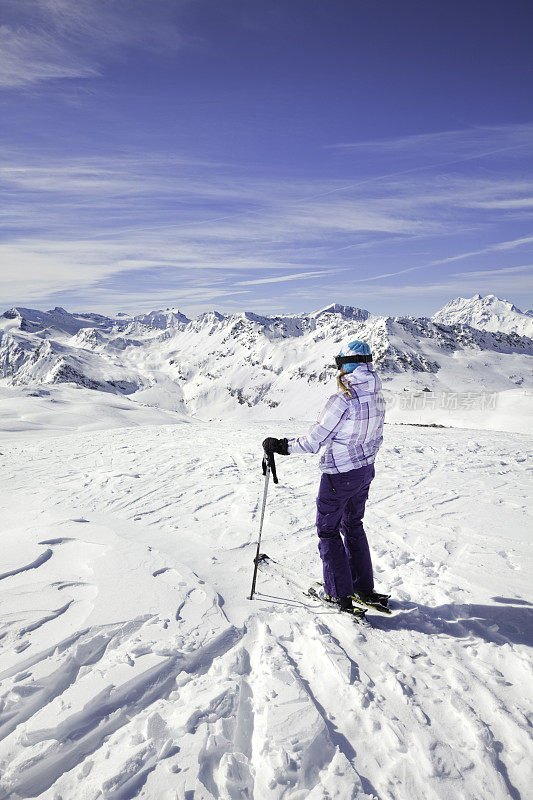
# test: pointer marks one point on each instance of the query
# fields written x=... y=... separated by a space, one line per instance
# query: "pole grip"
x=272 y=465
x=269 y=463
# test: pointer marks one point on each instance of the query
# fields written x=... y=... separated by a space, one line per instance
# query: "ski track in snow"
x=132 y=663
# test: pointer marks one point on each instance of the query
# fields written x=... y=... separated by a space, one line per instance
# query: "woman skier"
x=350 y=428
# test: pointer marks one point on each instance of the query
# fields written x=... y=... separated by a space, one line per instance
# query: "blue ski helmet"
x=360 y=351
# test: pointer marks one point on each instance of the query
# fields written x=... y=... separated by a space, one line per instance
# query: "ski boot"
x=372 y=599
x=343 y=603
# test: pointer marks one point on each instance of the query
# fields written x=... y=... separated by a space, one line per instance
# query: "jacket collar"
x=359 y=375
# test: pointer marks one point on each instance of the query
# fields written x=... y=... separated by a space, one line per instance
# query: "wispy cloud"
x=505 y=284
x=28 y=57
x=427 y=153
x=80 y=224
x=510 y=245
x=496 y=272
x=44 y=40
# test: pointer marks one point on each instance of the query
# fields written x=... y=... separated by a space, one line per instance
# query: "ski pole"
x=269 y=465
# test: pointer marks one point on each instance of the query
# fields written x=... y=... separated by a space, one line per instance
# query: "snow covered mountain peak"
x=56 y=319
x=489 y=313
x=348 y=312
x=163 y=319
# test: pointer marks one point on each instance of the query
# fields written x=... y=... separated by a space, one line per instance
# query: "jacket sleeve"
x=323 y=429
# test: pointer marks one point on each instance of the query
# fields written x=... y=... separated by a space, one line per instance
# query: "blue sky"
x=273 y=156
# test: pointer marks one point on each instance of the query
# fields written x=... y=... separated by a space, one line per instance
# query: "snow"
x=56 y=410
x=163 y=319
x=487 y=313
x=58 y=319
x=133 y=664
x=511 y=410
x=358 y=314
x=254 y=367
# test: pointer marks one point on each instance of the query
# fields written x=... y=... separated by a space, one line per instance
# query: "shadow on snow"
x=499 y=624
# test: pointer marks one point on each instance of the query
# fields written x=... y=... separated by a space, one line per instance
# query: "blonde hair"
x=341 y=386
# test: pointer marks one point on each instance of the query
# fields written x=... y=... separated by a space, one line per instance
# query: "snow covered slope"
x=67 y=408
x=256 y=366
x=486 y=313
x=133 y=665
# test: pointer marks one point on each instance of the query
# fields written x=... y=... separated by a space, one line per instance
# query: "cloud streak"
x=293 y=277
x=458 y=145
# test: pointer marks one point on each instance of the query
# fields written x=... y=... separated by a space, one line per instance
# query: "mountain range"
x=218 y=365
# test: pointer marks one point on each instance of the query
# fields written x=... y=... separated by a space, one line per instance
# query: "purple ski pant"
x=340 y=509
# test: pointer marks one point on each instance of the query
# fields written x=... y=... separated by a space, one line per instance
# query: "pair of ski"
x=265 y=563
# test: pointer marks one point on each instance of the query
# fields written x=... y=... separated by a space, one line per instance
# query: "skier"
x=350 y=427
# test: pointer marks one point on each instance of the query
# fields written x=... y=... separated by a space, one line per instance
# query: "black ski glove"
x=271 y=445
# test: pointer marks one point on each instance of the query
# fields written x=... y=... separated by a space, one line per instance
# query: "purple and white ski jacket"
x=350 y=428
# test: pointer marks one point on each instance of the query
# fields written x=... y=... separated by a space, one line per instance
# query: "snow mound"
x=29 y=412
